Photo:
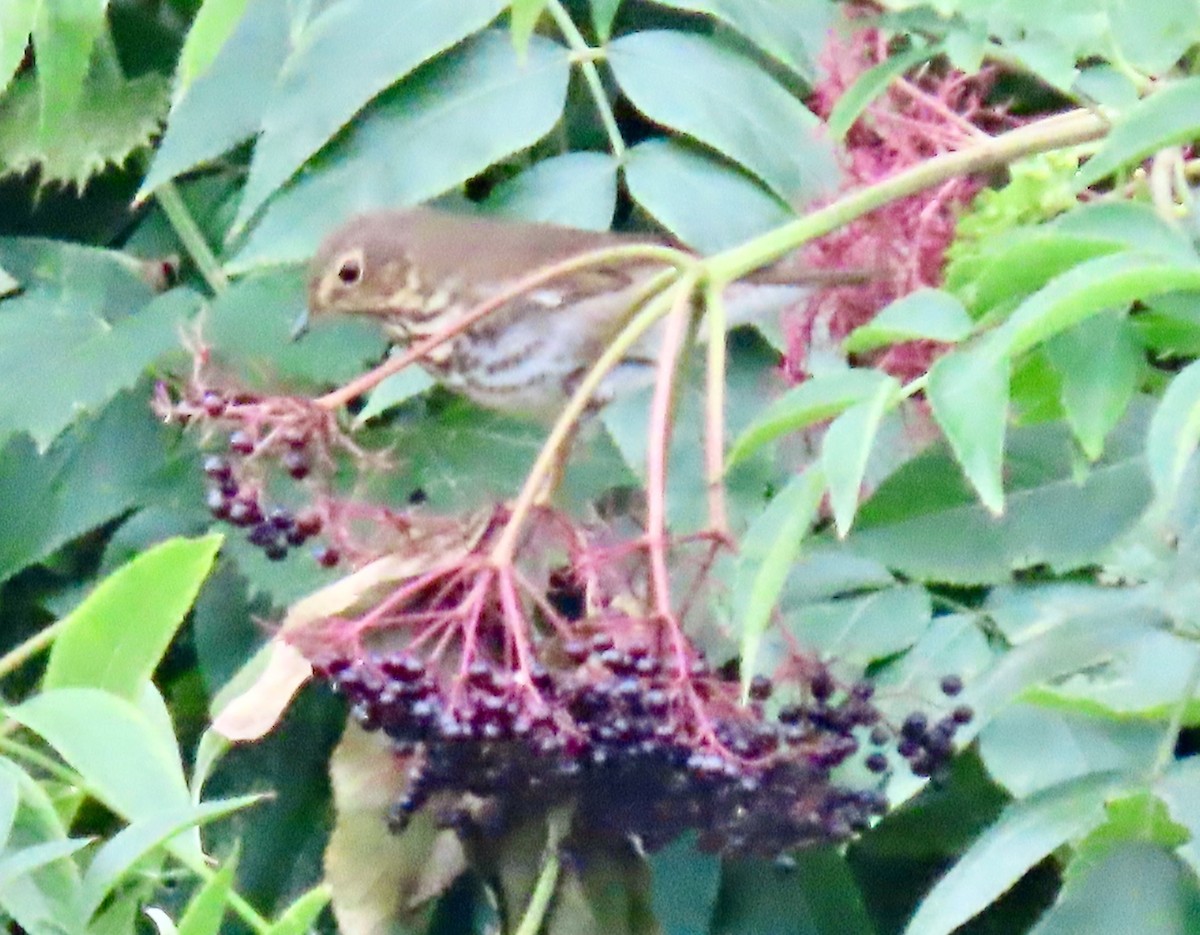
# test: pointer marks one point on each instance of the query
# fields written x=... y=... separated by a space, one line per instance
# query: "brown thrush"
x=419 y=270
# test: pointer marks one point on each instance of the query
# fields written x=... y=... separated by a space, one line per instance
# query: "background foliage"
x=1045 y=549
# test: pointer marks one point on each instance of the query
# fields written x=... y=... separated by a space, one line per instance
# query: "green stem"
x=1051 y=133
x=585 y=56
x=539 y=900
x=192 y=238
x=1166 y=749
x=18 y=656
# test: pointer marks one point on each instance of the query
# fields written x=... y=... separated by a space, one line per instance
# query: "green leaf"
x=113 y=862
x=1165 y=118
x=94 y=356
x=1139 y=816
x=968 y=392
x=523 y=19
x=1026 y=832
x=1174 y=432
x=768 y=551
x=924 y=315
x=737 y=108
x=8 y=285
x=226 y=103
x=793 y=32
x=24 y=862
x=708 y=205
x=603 y=14
x=847 y=446
x=212 y=26
x=821 y=897
x=1178 y=789
x=206 y=909
x=146 y=779
x=396 y=389
x=63 y=35
x=442 y=125
x=349 y=54
x=684 y=887
x=925 y=522
x=16 y=22
x=860 y=629
x=1154 y=37
x=1107 y=282
x=815 y=400
x=574 y=190
x=1099 y=901
x=115 y=639
x=299 y=917
x=9 y=800
x=1014 y=743
x=871 y=84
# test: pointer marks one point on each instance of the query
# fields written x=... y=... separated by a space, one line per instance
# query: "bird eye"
x=350 y=272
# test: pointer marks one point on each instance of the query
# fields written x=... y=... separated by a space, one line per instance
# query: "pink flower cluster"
x=931 y=111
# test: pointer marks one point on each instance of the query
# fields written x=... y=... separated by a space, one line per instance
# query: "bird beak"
x=300 y=326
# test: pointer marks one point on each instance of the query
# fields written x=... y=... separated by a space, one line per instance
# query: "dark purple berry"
x=296 y=463
x=951 y=685
x=217 y=503
x=963 y=714
x=263 y=535
x=217 y=468
x=760 y=688
x=326 y=556
x=213 y=403
x=880 y=736
x=877 y=763
x=914 y=726
x=862 y=690
x=244 y=512
x=281 y=519
x=241 y=442
x=822 y=685
x=276 y=551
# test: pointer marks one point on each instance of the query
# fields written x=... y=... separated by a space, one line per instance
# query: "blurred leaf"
x=206 y=909
x=574 y=190
x=923 y=315
x=115 y=639
x=16 y=864
x=793 y=32
x=1014 y=743
x=300 y=916
x=818 y=897
x=1139 y=816
x=113 y=119
x=968 y=392
x=1155 y=36
x=348 y=55
x=8 y=285
x=1100 y=362
x=684 y=887
x=145 y=780
x=768 y=550
x=603 y=14
x=859 y=629
x=815 y=400
x=396 y=389
x=212 y=26
x=1107 y=282
x=16 y=23
x=442 y=125
x=1174 y=432
x=46 y=899
x=1178 y=789
x=225 y=104
x=925 y=522
x=1026 y=832
x=523 y=18
x=870 y=85
x=708 y=205
x=1166 y=118
x=847 y=446
x=114 y=860
x=95 y=355
x=9 y=800
x=737 y=109
x=63 y=35
x=378 y=878
x=1101 y=902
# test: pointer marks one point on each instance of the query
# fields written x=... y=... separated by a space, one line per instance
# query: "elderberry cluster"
x=639 y=748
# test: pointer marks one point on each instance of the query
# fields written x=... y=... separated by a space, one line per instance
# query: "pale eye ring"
x=350 y=272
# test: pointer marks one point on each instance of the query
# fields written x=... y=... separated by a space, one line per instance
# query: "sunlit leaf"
x=206 y=909
x=574 y=190
x=847 y=446
x=213 y=24
x=1174 y=431
x=923 y=315
x=63 y=35
x=115 y=639
x=16 y=22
